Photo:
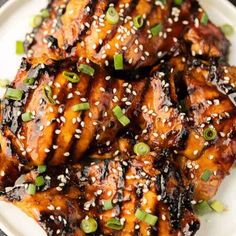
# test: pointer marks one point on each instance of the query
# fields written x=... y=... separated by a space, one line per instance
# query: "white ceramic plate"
x=14 y=18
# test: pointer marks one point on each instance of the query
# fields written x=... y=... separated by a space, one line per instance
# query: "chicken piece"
x=41 y=47
x=211 y=107
x=57 y=211
x=71 y=193
x=81 y=29
x=206 y=38
x=57 y=133
x=162 y=124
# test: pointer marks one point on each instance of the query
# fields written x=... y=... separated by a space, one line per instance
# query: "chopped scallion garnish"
x=4 y=83
x=141 y=148
x=29 y=81
x=155 y=30
x=115 y=224
x=31 y=190
x=86 y=69
x=89 y=225
x=204 y=19
x=206 y=175
x=178 y=2
x=36 y=21
x=112 y=16
x=118 y=112
x=140 y=214
x=210 y=134
x=118 y=62
x=83 y=106
x=202 y=208
x=14 y=94
x=71 y=76
x=227 y=29
x=151 y=219
x=217 y=206
x=138 y=22
x=146 y=217
x=42 y=168
x=20 y=47
x=124 y=120
x=39 y=181
x=27 y=116
x=44 y=13
x=47 y=90
x=107 y=204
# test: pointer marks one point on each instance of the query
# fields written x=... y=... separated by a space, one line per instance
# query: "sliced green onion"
x=114 y=223
x=217 y=206
x=42 y=169
x=39 y=181
x=20 y=47
x=155 y=30
x=29 y=81
x=124 y=120
x=210 y=134
x=178 y=2
x=202 y=208
x=36 y=21
x=4 y=83
x=141 y=148
x=138 y=22
x=14 y=94
x=146 y=217
x=71 y=76
x=107 y=204
x=204 y=19
x=118 y=62
x=112 y=16
x=47 y=90
x=86 y=69
x=44 y=13
x=83 y=106
x=31 y=190
x=206 y=175
x=118 y=112
x=140 y=214
x=89 y=225
x=151 y=219
x=227 y=29
x=27 y=116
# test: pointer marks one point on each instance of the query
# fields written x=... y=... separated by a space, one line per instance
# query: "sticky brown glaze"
x=9 y=170
x=41 y=46
x=80 y=29
x=74 y=192
x=206 y=94
x=210 y=88
x=163 y=125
